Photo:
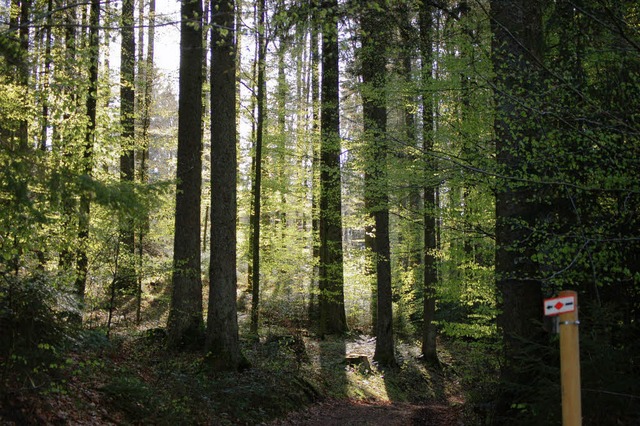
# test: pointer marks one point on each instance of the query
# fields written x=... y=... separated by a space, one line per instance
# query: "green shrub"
x=34 y=323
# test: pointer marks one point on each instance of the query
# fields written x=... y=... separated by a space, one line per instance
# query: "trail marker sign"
x=559 y=305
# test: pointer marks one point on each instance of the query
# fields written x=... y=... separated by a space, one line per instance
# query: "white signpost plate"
x=559 y=305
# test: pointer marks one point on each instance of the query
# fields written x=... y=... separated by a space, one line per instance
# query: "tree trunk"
x=374 y=39
x=145 y=121
x=185 y=324
x=222 y=344
x=517 y=30
x=314 y=313
x=82 y=260
x=429 y=348
x=257 y=177
x=126 y=274
x=284 y=41
x=332 y=312
x=411 y=201
x=59 y=142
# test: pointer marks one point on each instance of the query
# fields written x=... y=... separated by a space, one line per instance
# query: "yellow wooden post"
x=570 y=364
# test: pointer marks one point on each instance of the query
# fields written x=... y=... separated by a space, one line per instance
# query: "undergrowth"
x=134 y=380
x=55 y=373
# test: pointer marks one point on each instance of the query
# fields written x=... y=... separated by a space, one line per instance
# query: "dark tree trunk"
x=257 y=177
x=222 y=343
x=332 y=311
x=517 y=30
x=411 y=202
x=67 y=258
x=429 y=348
x=126 y=273
x=185 y=325
x=374 y=39
x=143 y=151
x=467 y=55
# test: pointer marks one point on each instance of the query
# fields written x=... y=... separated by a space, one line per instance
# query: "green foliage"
x=33 y=311
x=15 y=105
x=358 y=290
x=38 y=319
x=127 y=198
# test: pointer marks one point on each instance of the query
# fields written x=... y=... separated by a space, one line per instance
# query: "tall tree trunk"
x=185 y=324
x=332 y=312
x=315 y=166
x=430 y=205
x=284 y=39
x=517 y=30
x=58 y=142
x=82 y=260
x=126 y=273
x=253 y=107
x=374 y=39
x=257 y=175
x=466 y=139
x=222 y=343
x=143 y=153
x=412 y=200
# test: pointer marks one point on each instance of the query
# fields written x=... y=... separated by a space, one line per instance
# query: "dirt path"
x=347 y=413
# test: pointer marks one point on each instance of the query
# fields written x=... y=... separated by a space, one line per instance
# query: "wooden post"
x=570 y=364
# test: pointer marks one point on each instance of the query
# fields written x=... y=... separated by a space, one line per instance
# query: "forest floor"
x=132 y=380
x=295 y=378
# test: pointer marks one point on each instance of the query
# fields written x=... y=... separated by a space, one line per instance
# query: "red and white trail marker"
x=559 y=305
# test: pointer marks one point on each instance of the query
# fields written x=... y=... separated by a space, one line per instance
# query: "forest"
x=329 y=212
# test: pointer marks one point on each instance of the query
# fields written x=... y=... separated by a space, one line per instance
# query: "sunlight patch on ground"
x=366 y=386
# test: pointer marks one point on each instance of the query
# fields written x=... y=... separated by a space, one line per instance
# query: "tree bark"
x=59 y=143
x=429 y=346
x=314 y=312
x=222 y=343
x=517 y=30
x=257 y=177
x=374 y=39
x=126 y=274
x=332 y=311
x=185 y=324
x=146 y=66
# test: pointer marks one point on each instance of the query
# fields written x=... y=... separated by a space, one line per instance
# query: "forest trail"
x=383 y=407
x=347 y=413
